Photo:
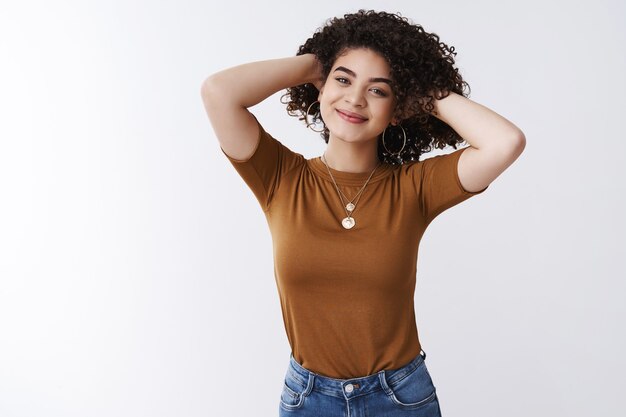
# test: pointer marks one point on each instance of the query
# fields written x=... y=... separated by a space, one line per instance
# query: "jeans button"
x=349 y=388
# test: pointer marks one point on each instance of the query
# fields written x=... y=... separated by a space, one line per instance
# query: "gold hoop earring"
x=306 y=118
x=403 y=145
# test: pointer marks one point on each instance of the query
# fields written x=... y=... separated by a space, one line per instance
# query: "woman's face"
x=356 y=84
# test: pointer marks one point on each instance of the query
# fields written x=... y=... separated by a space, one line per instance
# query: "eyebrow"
x=373 y=79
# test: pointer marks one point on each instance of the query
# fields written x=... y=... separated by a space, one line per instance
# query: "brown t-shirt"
x=347 y=294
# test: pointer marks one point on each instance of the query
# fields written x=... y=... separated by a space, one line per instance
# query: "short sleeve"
x=263 y=170
x=440 y=187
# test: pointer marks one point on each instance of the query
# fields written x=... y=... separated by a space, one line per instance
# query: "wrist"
x=314 y=75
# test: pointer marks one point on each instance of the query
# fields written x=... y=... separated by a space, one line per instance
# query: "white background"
x=136 y=271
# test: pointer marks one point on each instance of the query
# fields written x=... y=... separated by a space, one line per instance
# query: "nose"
x=355 y=97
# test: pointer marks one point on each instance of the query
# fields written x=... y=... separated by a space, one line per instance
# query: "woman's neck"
x=352 y=157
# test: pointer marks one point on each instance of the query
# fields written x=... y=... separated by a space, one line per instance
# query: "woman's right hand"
x=316 y=72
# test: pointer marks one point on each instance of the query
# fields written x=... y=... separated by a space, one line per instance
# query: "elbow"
x=209 y=92
x=514 y=143
x=521 y=142
x=513 y=146
x=207 y=86
x=517 y=145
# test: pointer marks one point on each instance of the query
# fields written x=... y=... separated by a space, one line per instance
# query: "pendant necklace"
x=348 y=222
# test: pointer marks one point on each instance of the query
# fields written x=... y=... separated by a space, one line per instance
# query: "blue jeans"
x=406 y=391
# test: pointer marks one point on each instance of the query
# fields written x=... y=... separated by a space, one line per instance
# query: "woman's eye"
x=380 y=92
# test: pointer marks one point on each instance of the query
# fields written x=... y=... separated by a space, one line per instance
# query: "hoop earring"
x=306 y=118
x=403 y=145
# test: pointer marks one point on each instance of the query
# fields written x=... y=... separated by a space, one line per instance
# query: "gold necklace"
x=348 y=222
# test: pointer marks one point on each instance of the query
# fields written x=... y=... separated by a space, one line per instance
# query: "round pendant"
x=348 y=222
x=350 y=207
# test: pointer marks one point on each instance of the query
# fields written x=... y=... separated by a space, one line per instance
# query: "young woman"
x=346 y=226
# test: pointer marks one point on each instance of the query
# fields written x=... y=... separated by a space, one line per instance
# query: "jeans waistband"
x=352 y=386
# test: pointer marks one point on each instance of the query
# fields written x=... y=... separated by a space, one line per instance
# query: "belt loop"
x=423 y=354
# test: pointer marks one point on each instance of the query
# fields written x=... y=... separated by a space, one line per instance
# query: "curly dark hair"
x=422 y=70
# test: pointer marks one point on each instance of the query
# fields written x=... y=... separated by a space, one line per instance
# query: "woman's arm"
x=495 y=142
x=228 y=93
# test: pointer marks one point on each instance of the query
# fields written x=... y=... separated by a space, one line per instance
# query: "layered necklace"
x=348 y=222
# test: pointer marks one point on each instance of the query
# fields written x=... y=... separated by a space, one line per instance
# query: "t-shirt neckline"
x=348 y=178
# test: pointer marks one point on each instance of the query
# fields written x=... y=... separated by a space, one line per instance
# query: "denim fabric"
x=403 y=392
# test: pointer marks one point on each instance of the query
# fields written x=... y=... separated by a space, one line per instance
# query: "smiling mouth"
x=351 y=119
